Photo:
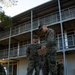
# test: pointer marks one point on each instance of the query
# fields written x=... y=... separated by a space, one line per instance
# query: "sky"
x=22 y=6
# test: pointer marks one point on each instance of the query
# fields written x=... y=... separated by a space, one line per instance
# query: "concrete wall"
x=71 y=64
x=22 y=67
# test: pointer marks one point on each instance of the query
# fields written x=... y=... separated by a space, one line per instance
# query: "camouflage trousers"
x=60 y=71
x=50 y=64
x=33 y=66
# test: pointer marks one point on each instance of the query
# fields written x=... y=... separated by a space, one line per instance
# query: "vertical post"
x=38 y=22
x=9 y=51
x=31 y=25
x=62 y=37
x=66 y=40
x=18 y=49
x=58 y=42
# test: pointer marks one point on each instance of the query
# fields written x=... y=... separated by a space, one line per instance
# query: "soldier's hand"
x=43 y=47
x=27 y=58
x=42 y=63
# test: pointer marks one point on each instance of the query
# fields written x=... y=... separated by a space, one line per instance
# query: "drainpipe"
x=31 y=25
x=9 y=51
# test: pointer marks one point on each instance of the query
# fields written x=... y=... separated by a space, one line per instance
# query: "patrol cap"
x=35 y=37
x=40 y=27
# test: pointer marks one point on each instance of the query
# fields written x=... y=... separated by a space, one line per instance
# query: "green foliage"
x=5 y=21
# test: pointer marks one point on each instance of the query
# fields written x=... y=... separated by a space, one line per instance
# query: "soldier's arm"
x=28 y=51
x=51 y=38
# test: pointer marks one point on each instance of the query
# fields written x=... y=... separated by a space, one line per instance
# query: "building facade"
x=57 y=14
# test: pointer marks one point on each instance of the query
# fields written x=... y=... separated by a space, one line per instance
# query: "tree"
x=5 y=21
x=9 y=3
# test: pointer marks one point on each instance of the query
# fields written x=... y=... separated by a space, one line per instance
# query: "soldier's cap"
x=35 y=36
x=40 y=27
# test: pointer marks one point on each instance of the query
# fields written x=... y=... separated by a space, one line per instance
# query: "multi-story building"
x=57 y=14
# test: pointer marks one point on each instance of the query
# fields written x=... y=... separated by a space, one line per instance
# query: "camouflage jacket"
x=50 y=38
x=32 y=53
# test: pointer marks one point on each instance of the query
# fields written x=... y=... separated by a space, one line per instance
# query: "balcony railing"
x=21 y=51
x=49 y=19
x=3 y=54
x=14 y=52
x=68 y=13
x=71 y=41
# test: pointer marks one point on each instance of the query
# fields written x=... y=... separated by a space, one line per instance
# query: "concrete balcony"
x=69 y=43
x=21 y=50
x=49 y=19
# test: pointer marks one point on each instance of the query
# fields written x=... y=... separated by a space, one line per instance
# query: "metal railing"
x=71 y=41
x=21 y=51
x=67 y=13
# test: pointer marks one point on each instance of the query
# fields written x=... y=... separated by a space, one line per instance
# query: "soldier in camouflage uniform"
x=60 y=67
x=33 y=57
x=43 y=68
x=50 y=46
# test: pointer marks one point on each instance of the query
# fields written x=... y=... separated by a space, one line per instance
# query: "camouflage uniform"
x=60 y=68
x=43 y=67
x=33 y=59
x=50 y=57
